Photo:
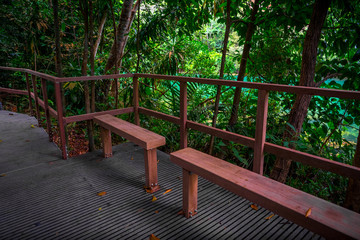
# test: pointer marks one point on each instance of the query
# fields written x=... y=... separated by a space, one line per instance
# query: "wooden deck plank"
x=45 y=197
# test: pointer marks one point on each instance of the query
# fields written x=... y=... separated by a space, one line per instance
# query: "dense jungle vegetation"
x=308 y=43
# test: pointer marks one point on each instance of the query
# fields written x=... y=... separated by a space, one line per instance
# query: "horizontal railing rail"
x=258 y=143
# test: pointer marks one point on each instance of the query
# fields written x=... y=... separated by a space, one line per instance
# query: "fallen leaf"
x=169 y=190
x=156 y=211
x=0 y=141
x=181 y=212
x=101 y=193
x=158 y=161
x=308 y=212
x=32 y=126
x=100 y=209
x=153 y=237
x=269 y=217
x=3 y=175
x=132 y=158
x=11 y=114
x=153 y=198
x=253 y=206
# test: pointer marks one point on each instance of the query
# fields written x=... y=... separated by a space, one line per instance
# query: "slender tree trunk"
x=127 y=16
x=352 y=200
x=245 y=55
x=221 y=74
x=301 y=105
x=58 y=65
x=121 y=35
x=85 y=11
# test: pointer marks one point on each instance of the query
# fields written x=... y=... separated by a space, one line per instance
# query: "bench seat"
x=326 y=219
x=138 y=135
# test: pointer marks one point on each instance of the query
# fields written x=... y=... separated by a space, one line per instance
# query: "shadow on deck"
x=45 y=197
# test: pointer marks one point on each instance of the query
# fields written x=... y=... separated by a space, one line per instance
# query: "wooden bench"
x=140 y=136
x=326 y=219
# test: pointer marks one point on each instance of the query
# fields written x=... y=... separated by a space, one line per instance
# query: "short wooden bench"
x=325 y=218
x=140 y=136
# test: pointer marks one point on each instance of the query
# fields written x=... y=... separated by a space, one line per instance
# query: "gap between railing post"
x=46 y=108
x=33 y=80
x=183 y=114
x=29 y=94
x=61 y=121
x=260 y=132
x=136 y=100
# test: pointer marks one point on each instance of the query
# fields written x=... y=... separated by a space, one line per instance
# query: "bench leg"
x=106 y=141
x=190 y=193
x=151 y=170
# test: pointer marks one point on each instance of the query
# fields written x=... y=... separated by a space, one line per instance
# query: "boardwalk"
x=44 y=197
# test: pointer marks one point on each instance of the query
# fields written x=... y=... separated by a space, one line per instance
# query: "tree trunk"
x=301 y=105
x=116 y=54
x=121 y=35
x=221 y=74
x=245 y=55
x=352 y=200
x=85 y=11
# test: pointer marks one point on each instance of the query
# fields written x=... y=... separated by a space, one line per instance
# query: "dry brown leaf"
x=0 y=140
x=132 y=158
x=3 y=175
x=153 y=198
x=308 y=212
x=101 y=193
x=253 y=206
x=158 y=161
x=156 y=211
x=153 y=237
x=169 y=190
x=269 y=217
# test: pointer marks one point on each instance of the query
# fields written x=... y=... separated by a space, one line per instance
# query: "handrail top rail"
x=326 y=92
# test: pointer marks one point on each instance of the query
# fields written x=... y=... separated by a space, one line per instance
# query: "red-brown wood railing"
x=258 y=143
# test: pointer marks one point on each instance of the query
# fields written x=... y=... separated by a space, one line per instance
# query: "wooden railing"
x=258 y=143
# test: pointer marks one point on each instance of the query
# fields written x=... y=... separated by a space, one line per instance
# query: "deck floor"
x=45 y=197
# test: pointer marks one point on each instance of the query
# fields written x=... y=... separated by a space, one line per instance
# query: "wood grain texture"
x=327 y=219
x=190 y=193
x=260 y=132
x=142 y=137
x=106 y=142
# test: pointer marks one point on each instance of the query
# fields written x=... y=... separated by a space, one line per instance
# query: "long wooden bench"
x=324 y=218
x=140 y=136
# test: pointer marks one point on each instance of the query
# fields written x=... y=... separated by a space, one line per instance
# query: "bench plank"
x=326 y=218
x=140 y=136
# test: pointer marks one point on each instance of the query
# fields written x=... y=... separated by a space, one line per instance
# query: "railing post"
x=136 y=100
x=260 y=132
x=46 y=107
x=33 y=79
x=29 y=94
x=61 y=122
x=183 y=114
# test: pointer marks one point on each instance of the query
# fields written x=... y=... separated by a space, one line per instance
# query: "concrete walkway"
x=45 y=197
